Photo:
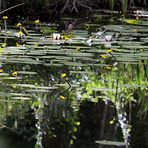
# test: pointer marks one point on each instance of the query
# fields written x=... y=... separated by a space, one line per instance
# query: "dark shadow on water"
x=9 y=139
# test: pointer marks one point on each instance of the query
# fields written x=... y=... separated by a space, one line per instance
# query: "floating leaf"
x=115 y=143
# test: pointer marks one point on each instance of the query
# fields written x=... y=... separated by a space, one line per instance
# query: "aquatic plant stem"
x=6 y=37
x=5 y=24
x=117 y=84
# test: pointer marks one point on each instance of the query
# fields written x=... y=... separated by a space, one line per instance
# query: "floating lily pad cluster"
x=128 y=45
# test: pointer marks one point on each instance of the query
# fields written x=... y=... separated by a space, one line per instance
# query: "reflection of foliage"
x=123 y=80
x=118 y=86
x=52 y=113
x=17 y=118
x=58 y=120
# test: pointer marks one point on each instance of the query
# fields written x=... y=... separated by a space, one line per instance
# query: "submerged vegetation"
x=74 y=82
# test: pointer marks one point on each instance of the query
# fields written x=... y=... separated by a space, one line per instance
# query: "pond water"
x=44 y=82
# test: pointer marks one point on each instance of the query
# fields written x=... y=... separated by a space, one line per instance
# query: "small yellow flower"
x=103 y=56
x=63 y=75
x=131 y=21
x=62 y=97
x=66 y=38
x=78 y=49
x=14 y=73
x=20 y=32
x=36 y=84
x=19 y=24
x=5 y=17
x=112 y=121
x=17 y=44
x=13 y=85
x=1 y=70
x=3 y=45
x=109 y=50
x=37 y=21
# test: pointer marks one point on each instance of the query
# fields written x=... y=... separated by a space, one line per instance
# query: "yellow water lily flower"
x=20 y=32
x=132 y=21
x=5 y=17
x=103 y=56
x=17 y=44
x=36 y=84
x=19 y=24
x=14 y=73
x=109 y=50
x=63 y=75
x=3 y=45
x=13 y=85
x=78 y=49
x=62 y=97
x=66 y=38
x=1 y=70
x=112 y=121
x=37 y=21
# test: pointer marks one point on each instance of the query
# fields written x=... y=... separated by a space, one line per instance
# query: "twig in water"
x=27 y=50
x=11 y=8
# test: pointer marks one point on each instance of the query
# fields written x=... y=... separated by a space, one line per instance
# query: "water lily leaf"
x=14 y=94
x=104 y=89
x=80 y=72
x=21 y=98
x=80 y=54
x=115 y=143
x=10 y=78
x=26 y=72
